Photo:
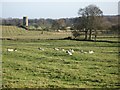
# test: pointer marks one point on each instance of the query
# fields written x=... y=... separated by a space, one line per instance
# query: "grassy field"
x=33 y=68
x=14 y=32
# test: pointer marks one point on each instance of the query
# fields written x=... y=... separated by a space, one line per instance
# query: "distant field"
x=33 y=68
x=13 y=32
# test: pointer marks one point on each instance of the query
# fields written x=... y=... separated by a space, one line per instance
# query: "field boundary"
x=109 y=41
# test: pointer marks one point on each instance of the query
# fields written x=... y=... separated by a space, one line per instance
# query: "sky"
x=53 y=9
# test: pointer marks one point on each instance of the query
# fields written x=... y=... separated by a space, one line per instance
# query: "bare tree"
x=90 y=19
x=55 y=25
x=36 y=26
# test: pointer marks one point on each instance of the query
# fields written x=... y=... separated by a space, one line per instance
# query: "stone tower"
x=25 y=21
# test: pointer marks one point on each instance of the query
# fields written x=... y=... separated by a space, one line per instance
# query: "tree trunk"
x=86 y=32
x=90 y=35
x=95 y=35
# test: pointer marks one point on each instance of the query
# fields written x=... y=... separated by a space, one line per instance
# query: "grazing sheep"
x=71 y=50
x=41 y=49
x=91 y=52
x=57 y=49
x=84 y=52
x=69 y=53
x=11 y=50
x=81 y=51
x=63 y=50
x=15 y=49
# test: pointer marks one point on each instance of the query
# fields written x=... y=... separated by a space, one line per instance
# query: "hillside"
x=14 y=32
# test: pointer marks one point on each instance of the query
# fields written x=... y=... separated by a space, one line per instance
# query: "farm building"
x=25 y=21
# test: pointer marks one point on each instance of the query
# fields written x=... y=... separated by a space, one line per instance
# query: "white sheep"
x=85 y=52
x=69 y=53
x=63 y=50
x=15 y=49
x=81 y=51
x=71 y=50
x=11 y=50
x=41 y=49
x=91 y=52
x=57 y=49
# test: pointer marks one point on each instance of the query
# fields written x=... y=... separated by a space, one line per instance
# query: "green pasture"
x=29 y=67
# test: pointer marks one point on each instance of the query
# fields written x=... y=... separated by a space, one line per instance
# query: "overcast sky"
x=63 y=9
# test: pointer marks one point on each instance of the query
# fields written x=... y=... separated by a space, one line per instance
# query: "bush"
x=76 y=34
x=114 y=28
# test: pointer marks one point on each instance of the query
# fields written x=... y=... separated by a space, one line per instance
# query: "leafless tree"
x=90 y=17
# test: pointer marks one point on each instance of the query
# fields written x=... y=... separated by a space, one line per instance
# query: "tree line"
x=109 y=21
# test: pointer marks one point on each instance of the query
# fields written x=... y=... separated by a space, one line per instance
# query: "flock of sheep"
x=69 y=51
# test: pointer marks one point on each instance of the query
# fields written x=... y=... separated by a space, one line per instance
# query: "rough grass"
x=30 y=67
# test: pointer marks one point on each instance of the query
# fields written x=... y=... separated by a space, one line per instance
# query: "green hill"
x=13 y=32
